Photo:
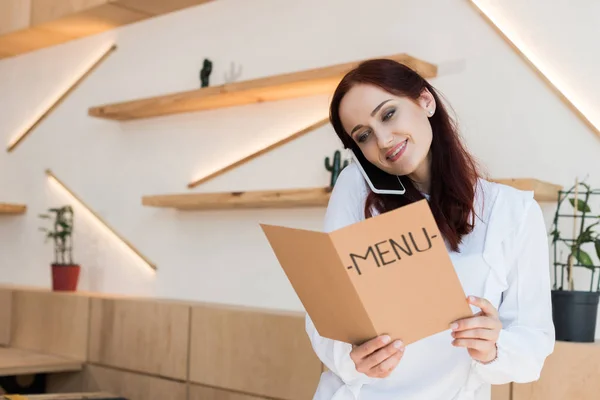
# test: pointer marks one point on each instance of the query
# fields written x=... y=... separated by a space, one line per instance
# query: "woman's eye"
x=389 y=114
x=363 y=136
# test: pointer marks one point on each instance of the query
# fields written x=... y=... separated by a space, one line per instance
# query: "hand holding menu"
x=390 y=274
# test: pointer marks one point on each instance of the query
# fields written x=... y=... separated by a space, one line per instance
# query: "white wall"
x=511 y=120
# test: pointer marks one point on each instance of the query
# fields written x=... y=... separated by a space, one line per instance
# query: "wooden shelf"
x=310 y=197
x=279 y=87
x=27 y=25
x=543 y=191
x=8 y=208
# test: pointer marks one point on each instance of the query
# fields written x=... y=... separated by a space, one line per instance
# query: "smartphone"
x=378 y=180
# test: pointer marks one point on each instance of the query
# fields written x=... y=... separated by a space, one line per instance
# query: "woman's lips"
x=395 y=153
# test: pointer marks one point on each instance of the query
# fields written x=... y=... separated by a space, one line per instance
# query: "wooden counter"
x=22 y=362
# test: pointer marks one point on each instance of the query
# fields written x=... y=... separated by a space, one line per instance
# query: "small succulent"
x=205 y=72
x=335 y=167
x=233 y=74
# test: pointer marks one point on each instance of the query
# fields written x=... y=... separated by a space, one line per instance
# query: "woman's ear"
x=427 y=101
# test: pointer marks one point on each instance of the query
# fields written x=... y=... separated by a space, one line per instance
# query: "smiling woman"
x=403 y=140
x=391 y=114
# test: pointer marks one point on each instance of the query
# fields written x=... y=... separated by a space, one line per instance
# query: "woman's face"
x=392 y=132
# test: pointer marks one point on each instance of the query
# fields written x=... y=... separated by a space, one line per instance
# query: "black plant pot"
x=574 y=314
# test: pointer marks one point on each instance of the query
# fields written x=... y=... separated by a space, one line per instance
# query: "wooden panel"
x=4 y=53
x=8 y=208
x=52 y=22
x=50 y=10
x=286 y=86
x=501 y=392
x=157 y=7
x=5 y=316
x=543 y=191
x=14 y=15
x=138 y=335
x=133 y=386
x=65 y=382
x=29 y=40
x=92 y=21
x=571 y=372
x=51 y=322
x=311 y=197
x=206 y=393
x=256 y=352
x=72 y=396
x=23 y=362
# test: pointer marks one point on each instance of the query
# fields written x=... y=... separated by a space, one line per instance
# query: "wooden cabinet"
x=5 y=316
x=146 y=349
x=571 y=372
x=501 y=392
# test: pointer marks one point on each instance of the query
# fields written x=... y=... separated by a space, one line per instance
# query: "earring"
x=430 y=113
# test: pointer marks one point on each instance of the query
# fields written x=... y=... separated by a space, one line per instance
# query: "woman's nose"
x=385 y=139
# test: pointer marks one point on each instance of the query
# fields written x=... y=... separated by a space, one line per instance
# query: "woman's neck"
x=421 y=177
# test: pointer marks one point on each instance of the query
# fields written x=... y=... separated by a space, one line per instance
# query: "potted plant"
x=574 y=311
x=65 y=273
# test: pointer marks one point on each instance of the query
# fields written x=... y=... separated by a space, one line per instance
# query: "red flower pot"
x=65 y=277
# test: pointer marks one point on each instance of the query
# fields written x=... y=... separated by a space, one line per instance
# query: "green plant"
x=61 y=233
x=335 y=167
x=583 y=235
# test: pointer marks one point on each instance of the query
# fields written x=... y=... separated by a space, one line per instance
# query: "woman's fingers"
x=386 y=367
x=377 y=357
x=369 y=347
x=478 y=333
x=485 y=305
x=474 y=344
x=475 y=322
x=381 y=355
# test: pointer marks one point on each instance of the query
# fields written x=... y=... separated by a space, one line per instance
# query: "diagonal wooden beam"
x=126 y=242
x=260 y=152
x=536 y=68
x=19 y=138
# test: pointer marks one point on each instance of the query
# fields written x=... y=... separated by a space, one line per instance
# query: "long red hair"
x=454 y=172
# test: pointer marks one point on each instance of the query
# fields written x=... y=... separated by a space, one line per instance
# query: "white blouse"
x=505 y=259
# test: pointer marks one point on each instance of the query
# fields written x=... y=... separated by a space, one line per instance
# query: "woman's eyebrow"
x=357 y=127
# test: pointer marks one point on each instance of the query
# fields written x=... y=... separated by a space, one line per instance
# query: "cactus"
x=336 y=167
x=205 y=72
x=233 y=74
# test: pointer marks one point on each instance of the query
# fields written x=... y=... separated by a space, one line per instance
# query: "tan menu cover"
x=390 y=274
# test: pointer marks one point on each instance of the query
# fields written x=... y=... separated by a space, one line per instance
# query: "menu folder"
x=389 y=274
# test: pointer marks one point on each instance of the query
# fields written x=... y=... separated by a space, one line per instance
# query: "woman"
x=394 y=122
